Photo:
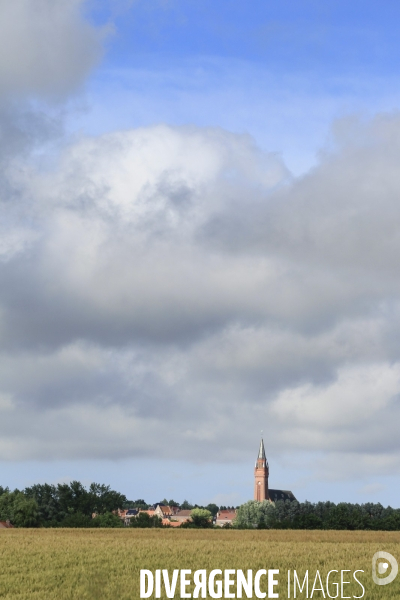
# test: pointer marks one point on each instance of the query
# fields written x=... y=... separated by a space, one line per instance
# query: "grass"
x=47 y=564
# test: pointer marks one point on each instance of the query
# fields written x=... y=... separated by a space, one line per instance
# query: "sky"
x=199 y=241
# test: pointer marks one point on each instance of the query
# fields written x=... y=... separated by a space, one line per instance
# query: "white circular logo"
x=379 y=568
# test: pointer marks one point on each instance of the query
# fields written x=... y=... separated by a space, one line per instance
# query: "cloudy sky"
x=200 y=240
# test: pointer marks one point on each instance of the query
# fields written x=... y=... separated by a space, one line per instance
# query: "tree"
x=186 y=505
x=144 y=520
x=323 y=515
x=136 y=504
x=254 y=514
x=201 y=517
x=107 y=519
x=57 y=503
x=19 y=510
x=213 y=508
x=76 y=520
x=103 y=499
x=48 y=503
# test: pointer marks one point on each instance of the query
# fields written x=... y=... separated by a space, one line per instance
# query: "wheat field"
x=47 y=564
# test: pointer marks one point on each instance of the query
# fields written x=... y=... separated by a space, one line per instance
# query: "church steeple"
x=261 y=452
x=261 y=473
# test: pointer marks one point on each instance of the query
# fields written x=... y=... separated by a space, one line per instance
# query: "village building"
x=182 y=516
x=150 y=512
x=225 y=517
x=6 y=525
x=131 y=513
x=163 y=511
x=172 y=523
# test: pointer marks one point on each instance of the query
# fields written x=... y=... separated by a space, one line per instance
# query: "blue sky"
x=201 y=244
x=281 y=71
x=331 y=37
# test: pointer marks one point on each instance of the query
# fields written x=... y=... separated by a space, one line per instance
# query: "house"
x=150 y=512
x=225 y=517
x=130 y=513
x=182 y=516
x=163 y=511
x=6 y=525
x=173 y=523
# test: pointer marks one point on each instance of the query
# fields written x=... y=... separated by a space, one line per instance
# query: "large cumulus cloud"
x=170 y=290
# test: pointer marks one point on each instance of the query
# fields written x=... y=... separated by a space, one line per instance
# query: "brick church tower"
x=261 y=473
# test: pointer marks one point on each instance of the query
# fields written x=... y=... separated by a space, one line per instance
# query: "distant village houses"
x=225 y=517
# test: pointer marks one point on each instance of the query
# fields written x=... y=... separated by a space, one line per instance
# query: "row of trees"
x=322 y=515
x=62 y=505
x=73 y=505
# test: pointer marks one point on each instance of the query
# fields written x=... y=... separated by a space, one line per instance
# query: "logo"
x=380 y=566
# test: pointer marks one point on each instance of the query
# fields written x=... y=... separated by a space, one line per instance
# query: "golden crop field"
x=47 y=564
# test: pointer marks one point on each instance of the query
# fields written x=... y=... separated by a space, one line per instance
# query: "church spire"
x=261 y=474
x=261 y=452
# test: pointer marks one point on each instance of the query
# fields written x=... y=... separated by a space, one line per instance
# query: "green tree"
x=254 y=514
x=76 y=520
x=201 y=517
x=136 y=504
x=213 y=508
x=19 y=510
x=57 y=503
x=322 y=515
x=107 y=519
x=48 y=503
x=186 y=505
x=103 y=499
x=144 y=520
x=6 y=506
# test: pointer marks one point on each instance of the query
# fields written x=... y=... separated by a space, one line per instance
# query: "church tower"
x=261 y=473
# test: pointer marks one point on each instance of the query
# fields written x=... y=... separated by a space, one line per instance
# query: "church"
x=261 y=474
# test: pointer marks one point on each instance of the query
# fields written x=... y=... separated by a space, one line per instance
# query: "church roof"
x=280 y=495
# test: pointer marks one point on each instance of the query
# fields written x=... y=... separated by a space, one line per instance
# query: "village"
x=173 y=516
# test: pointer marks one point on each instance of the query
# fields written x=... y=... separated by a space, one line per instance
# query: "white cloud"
x=358 y=394
x=179 y=293
x=46 y=47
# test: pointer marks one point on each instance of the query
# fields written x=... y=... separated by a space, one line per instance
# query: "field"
x=60 y=564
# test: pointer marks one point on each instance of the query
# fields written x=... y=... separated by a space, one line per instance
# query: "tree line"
x=321 y=515
x=74 y=505
x=61 y=505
